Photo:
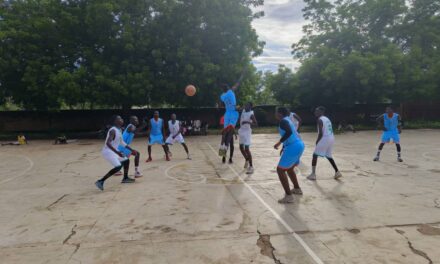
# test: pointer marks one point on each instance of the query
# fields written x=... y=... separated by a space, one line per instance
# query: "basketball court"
x=202 y=211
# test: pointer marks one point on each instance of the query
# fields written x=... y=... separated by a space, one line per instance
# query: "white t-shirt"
x=246 y=117
x=174 y=128
x=327 y=129
x=116 y=141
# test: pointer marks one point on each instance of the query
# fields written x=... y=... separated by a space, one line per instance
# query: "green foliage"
x=364 y=51
x=121 y=53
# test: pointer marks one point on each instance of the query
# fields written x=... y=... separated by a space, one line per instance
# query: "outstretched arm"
x=237 y=84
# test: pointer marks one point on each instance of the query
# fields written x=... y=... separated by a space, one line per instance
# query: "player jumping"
x=176 y=134
x=324 y=143
x=293 y=148
x=245 y=133
x=112 y=155
x=392 y=127
x=157 y=132
x=230 y=117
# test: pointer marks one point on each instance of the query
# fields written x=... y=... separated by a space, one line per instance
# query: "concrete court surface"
x=202 y=211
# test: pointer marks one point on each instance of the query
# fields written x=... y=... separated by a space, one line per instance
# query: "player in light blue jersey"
x=156 y=135
x=231 y=115
x=391 y=124
x=129 y=133
x=293 y=148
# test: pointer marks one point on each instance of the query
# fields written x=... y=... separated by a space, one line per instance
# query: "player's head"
x=389 y=110
x=282 y=112
x=156 y=114
x=225 y=87
x=173 y=117
x=117 y=121
x=319 y=111
x=248 y=106
x=134 y=120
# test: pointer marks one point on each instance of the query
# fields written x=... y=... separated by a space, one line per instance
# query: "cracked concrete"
x=199 y=212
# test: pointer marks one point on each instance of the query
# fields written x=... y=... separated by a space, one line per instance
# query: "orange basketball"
x=190 y=90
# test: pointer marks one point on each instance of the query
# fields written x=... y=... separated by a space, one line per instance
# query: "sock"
x=136 y=169
x=378 y=153
x=398 y=155
x=313 y=169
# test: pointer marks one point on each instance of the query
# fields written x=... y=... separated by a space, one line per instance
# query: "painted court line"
x=31 y=165
x=309 y=251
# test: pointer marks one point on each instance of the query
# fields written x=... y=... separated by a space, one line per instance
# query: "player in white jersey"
x=247 y=119
x=324 y=143
x=111 y=153
x=296 y=119
x=176 y=136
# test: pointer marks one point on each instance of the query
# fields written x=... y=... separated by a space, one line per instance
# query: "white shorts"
x=179 y=139
x=112 y=157
x=325 y=147
x=245 y=136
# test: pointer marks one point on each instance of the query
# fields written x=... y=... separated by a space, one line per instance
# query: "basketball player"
x=111 y=153
x=324 y=143
x=230 y=117
x=392 y=127
x=296 y=119
x=157 y=132
x=176 y=134
x=127 y=137
x=293 y=148
x=247 y=119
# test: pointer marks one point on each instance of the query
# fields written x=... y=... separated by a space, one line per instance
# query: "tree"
x=120 y=53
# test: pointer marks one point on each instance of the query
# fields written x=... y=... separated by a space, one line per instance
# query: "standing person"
x=111 y=153
x=324 y=143
x=157 y=132
x=392 y=127
x=247 y=119
x=127 y=137
x=230 y=117
x=296 y=119
x=293 y=148
x=176 y=131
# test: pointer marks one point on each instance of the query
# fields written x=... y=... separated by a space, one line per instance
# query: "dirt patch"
x=266 y=247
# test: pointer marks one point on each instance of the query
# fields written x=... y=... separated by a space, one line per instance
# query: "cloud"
x=279 y=28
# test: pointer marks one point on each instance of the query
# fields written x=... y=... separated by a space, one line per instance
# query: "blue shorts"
x=125 y=151
x=388 y=135
x=156 y=139
x=291 y=155
x=231 y=119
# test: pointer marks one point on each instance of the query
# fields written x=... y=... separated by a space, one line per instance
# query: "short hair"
x=321 y=108
x=251 y=104
x=155 y=112
x=113 y=119
x=283 y=111
x=224 y=86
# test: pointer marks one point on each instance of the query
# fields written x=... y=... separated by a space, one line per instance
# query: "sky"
x=279 y=28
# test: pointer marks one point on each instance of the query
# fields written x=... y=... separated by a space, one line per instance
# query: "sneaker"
x=128 y=180
x=119 y=173
x=100 y=185
x=311 y=177
x=376 y=158
x=250 y=170
x=287 y=199
x=230 y=161
x=338 y=175
x=297 y=191
x=137 y=174
x=224 y=160
x=399 y=159
x=149 y=160
x=246 y=164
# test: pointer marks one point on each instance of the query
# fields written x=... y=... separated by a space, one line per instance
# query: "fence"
x=94 y=120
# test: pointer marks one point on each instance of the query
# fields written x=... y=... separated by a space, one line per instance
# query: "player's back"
x=229 y=100
x=327 y=128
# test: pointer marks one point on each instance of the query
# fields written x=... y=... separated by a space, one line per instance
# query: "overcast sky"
x=279 y=28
